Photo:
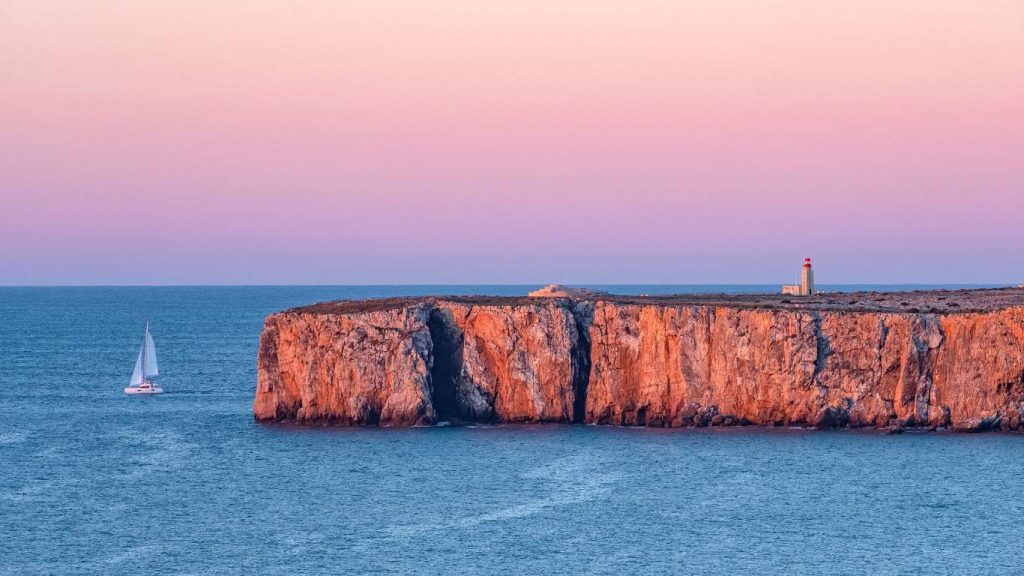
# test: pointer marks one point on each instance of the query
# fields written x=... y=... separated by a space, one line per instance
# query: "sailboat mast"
x=145 y=339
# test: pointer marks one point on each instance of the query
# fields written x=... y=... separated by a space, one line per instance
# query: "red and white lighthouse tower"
x=807 y=279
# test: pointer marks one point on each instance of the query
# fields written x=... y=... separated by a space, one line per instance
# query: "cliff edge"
x=935 y=359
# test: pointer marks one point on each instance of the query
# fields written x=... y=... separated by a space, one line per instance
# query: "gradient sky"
x=577 y=141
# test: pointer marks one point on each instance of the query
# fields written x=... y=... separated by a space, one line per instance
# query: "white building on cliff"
x=806 y=285
x=559 y=291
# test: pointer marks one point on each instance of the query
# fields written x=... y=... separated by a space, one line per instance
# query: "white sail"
x=137 y=374
x=147 y=355
x=151 y=367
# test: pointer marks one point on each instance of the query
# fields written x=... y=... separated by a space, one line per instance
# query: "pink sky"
x=584 y=141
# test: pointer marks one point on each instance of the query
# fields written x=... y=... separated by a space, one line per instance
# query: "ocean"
x=96 y=482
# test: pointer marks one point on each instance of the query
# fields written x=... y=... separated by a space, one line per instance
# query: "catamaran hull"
x=139 y=390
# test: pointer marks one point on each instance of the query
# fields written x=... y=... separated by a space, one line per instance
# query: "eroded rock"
x=647 y=362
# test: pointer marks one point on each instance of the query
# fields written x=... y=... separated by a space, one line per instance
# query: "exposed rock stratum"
x=937 y=359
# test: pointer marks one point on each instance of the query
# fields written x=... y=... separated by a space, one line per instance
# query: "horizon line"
x=528 y=284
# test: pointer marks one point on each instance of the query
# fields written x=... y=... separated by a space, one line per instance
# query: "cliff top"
x=910 y=302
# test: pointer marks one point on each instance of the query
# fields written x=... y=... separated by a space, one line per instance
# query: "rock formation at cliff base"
x=939 y=359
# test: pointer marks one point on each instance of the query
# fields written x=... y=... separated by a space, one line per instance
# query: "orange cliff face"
x=684 y=366
x=514 y=363
x=350 y=369
x=636 y=362
x=419 y=363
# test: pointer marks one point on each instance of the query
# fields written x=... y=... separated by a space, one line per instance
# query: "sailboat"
x=145 y=368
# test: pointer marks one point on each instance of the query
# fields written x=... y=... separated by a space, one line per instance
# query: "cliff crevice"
x=583 y=316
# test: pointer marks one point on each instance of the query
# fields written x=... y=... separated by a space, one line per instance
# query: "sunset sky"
x=531 y=141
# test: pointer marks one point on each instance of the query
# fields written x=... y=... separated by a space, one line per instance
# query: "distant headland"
x=936 y=359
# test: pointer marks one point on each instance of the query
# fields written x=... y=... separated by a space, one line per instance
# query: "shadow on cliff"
x=447 y=367
x=583 y=314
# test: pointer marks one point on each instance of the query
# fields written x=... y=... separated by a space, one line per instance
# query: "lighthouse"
x=807 y=279
x=806 y=285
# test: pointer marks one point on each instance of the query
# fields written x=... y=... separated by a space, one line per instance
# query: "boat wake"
x=567 y=481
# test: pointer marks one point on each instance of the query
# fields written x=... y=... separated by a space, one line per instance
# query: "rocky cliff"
x=924 y=359
x=353 y=369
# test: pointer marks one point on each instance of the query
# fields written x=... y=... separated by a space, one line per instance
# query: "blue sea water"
x=96 y=482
